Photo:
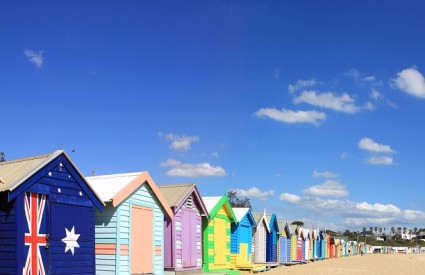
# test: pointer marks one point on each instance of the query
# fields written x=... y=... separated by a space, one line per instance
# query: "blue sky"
x=312 y=109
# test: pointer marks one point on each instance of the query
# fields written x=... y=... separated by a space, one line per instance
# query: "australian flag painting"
x=35 y=234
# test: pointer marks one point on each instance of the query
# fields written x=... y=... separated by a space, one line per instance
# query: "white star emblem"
x=71 y=240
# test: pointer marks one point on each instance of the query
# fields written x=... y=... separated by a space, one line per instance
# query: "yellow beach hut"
x=216 y=235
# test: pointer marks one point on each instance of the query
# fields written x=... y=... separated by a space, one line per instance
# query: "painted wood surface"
x=241 y=240
x=183 y=234
x=113 y=227
x=272 y=236
x=216 y=237
x=47 y=221
x=260 y=243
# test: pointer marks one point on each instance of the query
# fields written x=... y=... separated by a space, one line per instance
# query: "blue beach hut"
x=272 y=237
x=130 y=231
x=284 y=239
x=47 y=213
x=241 y=241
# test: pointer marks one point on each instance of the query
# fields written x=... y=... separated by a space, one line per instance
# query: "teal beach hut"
x=130 y=231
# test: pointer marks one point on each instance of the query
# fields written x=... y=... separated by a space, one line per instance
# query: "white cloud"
x=344 y=156
x=353 y=73
x=368 y=221
x=255 y=193
x=369 y=106
x=342 y=103
x=410 y=81
x=380 y=160
x=179 y=169
x=374 y=94
x=369 y=144
x=34 y=57
x=291 y=117
x=356 y=213
x=369 y=78
x=324 y=174
x=180 y=143
x=291 y=198
x=215 y=154
x=303 y=84
x=331 y=188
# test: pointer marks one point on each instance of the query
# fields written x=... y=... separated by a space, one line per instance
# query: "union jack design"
x=34 y=209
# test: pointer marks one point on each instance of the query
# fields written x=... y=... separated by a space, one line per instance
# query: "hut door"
x=71 y=240
x=189 y=238
x=141 y=249
x=220 y=242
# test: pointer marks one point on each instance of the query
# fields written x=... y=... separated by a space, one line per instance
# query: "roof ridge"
x=25 y=159
x=119 y=175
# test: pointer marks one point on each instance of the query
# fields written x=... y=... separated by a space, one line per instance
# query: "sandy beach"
x=368 y=264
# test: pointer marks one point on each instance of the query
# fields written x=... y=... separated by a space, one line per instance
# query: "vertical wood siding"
x=115 y=229
x=7 y=235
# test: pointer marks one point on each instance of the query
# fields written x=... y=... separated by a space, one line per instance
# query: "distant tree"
x=364 y=229
x=298 y=223
x=380 y=230
x=2 y=156
x=415 y=230
x=236 y=201
x=393 y=230
x=371 y=229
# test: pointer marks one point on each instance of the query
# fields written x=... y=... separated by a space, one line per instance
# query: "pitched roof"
x=116 y=188
x=15 y=172
x=259 y=217
x=175 y=194
x=240 y=212
x=271 y=218
x=210 y=202
x=213 y=205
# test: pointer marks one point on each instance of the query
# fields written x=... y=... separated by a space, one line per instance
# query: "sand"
x=367 y=264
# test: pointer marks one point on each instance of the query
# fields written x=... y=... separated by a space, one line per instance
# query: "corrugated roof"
x=109 y=185
x=240 y=212
x=175 y=193
x=15 y=172
x=118 y=187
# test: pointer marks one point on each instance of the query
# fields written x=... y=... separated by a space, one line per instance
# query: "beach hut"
x=241 y=241
x=300 y=239
x=216 y=235
x=311 y=244
x=46 y=217
x=284 y=235
x=337 y=247
x=316 y=241
x=130 y=231
x=183 y=233
x=324 y=243
x=272 y=236
x=294 y=242
x=306 y=244
x=329 y=247
x=260 y=237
